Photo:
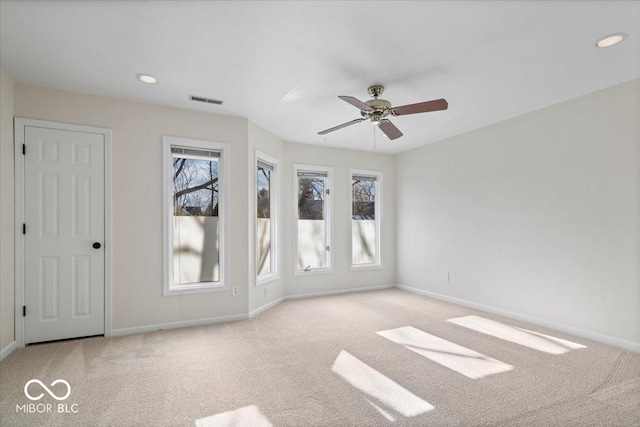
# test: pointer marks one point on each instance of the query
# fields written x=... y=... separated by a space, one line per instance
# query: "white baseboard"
x=175 y=325
x=234 y=318
x=213 y=320
x=338 y=292
x=605 y=339
x=8 y=350
x=265 y=307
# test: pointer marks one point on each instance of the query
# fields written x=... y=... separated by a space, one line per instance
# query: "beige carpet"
x=283 y=369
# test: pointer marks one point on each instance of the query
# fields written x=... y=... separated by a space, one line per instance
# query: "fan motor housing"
x=379 y=104
x=381 y=108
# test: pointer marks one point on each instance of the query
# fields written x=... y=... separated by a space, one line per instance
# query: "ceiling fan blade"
x=421 y=107
x=344 y=125
x=356 y=103
x=390 y=129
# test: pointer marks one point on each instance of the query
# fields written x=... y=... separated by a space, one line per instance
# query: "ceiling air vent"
x=205 y=100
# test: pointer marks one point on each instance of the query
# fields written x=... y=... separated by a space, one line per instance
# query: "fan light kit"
x=377 y=110
x=611 y=40
x=146 y=78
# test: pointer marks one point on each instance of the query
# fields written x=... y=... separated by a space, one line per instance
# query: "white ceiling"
x=283 y=64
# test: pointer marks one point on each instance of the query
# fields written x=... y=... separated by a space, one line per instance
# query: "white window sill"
x=313 y=272
x=196 y=289
x=267 y=278
x=362 y=267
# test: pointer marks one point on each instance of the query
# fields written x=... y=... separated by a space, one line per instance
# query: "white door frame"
x=19 y=139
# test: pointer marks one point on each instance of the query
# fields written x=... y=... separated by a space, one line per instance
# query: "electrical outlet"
x=447 y=277
x=266 y=291
x=234 y=291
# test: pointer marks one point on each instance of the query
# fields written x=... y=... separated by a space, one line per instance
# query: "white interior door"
x=64 y=208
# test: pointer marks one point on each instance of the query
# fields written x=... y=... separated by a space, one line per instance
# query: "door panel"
x=64 y=216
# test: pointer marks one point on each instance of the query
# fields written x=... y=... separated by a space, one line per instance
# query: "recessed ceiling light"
x=146 y=78
x=611 y=39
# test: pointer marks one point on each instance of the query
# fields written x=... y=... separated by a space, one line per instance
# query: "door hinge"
x=328 y=248
x=24 y=149
x=24 y=228
x=328 y=191
x=24 y=311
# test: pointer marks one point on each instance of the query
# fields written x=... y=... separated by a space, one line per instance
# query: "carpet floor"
x=367 y=359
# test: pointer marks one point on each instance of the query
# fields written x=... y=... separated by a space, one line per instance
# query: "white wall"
x=137 y=198
x=538 y=215
x=137 y=236
x=6 y=212
x=341 y=160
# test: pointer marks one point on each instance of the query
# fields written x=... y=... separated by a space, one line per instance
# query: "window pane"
x=264 y=221
x=264 y=193
x=312 y=251
x=311 y=198
x=195 y=220
x=363 y=221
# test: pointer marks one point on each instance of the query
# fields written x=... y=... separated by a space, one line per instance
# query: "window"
x=194 y=204
x=313 y=219
x=266 y=217
x=366 y=192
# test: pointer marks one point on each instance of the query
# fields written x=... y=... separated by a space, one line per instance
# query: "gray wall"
x=6 y=211
x=537 y=215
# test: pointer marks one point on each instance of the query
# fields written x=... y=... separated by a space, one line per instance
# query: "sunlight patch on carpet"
x=242 y=417
x=534 y=340
x=376 y=385
x=465 y=361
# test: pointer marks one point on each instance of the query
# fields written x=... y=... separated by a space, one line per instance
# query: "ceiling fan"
x=377 y=110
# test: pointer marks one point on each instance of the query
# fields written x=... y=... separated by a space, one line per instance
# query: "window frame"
x=328 y=220
x=274 y=194
x=378 y=212
x=169 y=288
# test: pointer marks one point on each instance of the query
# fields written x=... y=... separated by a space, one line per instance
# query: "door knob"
x=97 y=245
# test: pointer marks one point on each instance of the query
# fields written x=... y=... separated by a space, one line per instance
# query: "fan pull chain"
x=374 y=137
